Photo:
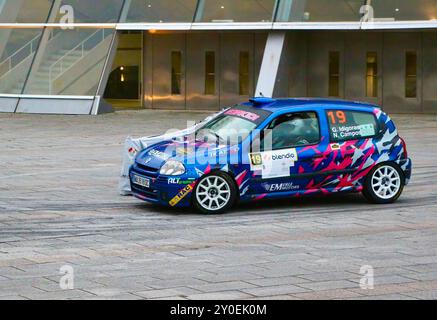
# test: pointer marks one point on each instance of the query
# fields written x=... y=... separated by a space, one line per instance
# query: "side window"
x=292 y=130
x=351 y=125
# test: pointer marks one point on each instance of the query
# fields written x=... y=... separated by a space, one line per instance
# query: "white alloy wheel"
x=386 y=182
x=213 y=193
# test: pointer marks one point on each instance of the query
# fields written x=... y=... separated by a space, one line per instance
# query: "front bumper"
x=166 y=191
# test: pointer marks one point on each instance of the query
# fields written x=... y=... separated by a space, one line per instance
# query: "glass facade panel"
x=411 y=74
x=372 y=74
x=156 y=11
x=334 y=74
x=70 y=63
x=176 y=72
x=319 y=10
x=244 y=73
x=210 y=73
x=24 y=11
x=86 y=11
x=235 y=11
x=404 y=10
x=17 y=50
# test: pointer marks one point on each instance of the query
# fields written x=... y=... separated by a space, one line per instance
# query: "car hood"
x=184 y=150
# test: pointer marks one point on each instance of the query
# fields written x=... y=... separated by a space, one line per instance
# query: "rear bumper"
x=407 y=167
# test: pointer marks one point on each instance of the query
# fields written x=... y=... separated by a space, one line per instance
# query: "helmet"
x=297 y=127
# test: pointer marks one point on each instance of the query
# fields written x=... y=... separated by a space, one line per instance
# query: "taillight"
x=405 y=148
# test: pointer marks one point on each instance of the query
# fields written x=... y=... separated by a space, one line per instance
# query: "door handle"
x=317 y=156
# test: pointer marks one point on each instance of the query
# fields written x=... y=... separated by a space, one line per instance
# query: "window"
x=334 y=74
x=292 y=130
x=232 y=126
x=176 y=72
x=351 y=125
x=411 y=75
x=85 y=11
x=404 y=10
x=229 y=11
x=160 y=11
x=244 y=73
x=319 y=10
x=210 y=72
x=372 y=75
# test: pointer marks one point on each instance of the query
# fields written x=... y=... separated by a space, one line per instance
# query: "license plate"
x=144 y=182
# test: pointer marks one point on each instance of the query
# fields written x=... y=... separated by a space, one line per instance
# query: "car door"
x=350 y=133
x=288 y=154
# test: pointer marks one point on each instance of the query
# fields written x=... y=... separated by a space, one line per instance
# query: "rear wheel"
x=215 y=193
x=384 y=184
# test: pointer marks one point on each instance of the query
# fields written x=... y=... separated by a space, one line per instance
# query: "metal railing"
x=77 y=53
x=19 y=56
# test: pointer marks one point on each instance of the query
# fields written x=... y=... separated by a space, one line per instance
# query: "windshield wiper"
x=211 y=132
x=220 y=138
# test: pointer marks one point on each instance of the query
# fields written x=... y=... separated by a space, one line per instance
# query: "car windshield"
x=233 y=126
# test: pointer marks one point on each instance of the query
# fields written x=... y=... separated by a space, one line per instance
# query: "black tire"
x=394 y=192
x=201 y=193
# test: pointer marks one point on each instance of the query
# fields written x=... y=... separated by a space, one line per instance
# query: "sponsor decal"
x=277 y=187
x=352 y=132
x=335 y=146
x=159 y=154
x=256 y=159
x=274 y=164
x=243 y=114
x=367 y=130
x=184 y=151
x=132 y=151
x=180 y=181
x=181 y=195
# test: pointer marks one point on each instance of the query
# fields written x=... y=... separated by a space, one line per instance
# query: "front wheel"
x=384 y=184
x=215 y=193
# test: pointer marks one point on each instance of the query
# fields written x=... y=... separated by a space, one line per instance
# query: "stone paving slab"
x=59 y=207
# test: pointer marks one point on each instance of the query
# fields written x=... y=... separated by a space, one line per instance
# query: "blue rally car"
x=276 y=148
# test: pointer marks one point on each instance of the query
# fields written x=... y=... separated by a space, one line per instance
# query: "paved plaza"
x=60 y=209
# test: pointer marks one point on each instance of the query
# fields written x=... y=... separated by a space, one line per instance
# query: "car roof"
x=299 y=104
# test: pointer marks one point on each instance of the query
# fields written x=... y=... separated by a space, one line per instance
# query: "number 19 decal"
x=337 y=117
x=256 y=159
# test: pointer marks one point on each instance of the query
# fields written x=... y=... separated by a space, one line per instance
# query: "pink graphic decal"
x=243 y=114
x=260 y=197
x=207 y=170
x=344 y=182
x=240 y=178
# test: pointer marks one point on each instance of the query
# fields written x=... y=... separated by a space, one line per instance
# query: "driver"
x=292 y=132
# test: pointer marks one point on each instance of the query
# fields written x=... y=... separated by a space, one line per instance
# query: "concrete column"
x=200 y=10
x=270 y=64
x=292 y=10
x=125 y=11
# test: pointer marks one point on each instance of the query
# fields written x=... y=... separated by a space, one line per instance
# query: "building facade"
x=87 y=57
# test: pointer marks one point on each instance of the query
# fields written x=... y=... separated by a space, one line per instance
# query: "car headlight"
x=172 y=168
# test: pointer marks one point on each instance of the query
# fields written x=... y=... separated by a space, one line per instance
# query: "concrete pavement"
x=59 y=207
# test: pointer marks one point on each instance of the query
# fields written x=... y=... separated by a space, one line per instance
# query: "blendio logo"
x=283 y=156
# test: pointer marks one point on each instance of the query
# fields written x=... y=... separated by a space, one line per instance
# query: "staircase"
x=14 y=69
x=59 y=62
